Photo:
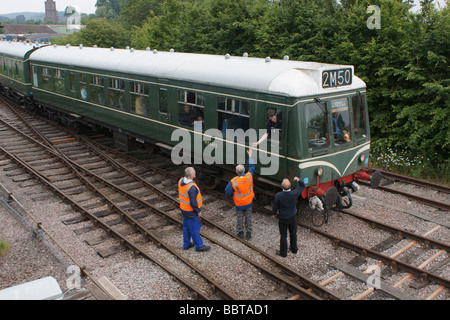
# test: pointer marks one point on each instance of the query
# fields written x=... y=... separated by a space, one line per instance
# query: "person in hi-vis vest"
x=241 y=188
x=190 y=205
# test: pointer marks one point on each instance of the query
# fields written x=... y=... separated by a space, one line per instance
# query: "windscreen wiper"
x=322 y=105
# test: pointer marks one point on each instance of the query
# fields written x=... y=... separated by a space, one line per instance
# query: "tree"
x=135 y=13
x=163 y=31
x=100 y=32
x=109 y=9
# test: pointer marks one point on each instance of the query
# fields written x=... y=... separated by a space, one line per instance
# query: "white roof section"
x=291 y=78
x=41 y=289
x=18 y=49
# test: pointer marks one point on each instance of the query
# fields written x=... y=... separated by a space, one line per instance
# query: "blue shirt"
x=229 y=191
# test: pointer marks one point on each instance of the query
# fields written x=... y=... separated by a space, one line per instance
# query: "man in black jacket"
x=285 y=202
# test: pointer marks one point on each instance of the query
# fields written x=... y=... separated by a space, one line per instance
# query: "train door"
x=164 y=101
x=276 y=126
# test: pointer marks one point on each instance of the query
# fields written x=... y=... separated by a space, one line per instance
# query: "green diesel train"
x=209 y=109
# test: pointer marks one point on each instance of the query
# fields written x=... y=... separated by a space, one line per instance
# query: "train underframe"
x=337 y=194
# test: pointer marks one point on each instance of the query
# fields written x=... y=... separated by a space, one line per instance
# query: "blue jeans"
x=191 y=230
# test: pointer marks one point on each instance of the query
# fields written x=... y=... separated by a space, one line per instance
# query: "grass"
x=416 y=166
x=4 y=248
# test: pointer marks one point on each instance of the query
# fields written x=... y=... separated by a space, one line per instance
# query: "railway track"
x=384 y=259
x=420 y=192
x=90 y=178
x=47 y=180
x=298 y=283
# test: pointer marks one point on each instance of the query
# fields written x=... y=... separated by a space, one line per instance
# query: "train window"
x=232 y=114
x=35 y=77
x=117 y=93
x=163 y=108
x=5 y=66
x=341 y=121
x=140 y=99
x=97 y=89
x=273 y=123
x=17 y=73
x=2 y=64
x=10 y=64
x=84 y=78
x=59 y=81
x=316 y=126
x=191 y=109
x=359 y=116
x=47 y=78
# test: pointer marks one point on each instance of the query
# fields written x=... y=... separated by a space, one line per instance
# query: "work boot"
x=203 y=249
x=248 y=235
x=278 y=252
x=240 y=234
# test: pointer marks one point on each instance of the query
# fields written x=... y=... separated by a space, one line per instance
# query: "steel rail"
x=61 y=247
x=297 y=275
x=428 y=202
x=134 y=248
x=292 y=285
x=402 y=233
x=98 y=222
x=373 y=254
x=418 y=182
x=73 y=164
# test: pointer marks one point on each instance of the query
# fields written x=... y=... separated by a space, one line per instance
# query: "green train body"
x=155 y=97
x=15 y=78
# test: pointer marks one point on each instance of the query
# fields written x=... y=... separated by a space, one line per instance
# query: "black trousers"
x=285 y=225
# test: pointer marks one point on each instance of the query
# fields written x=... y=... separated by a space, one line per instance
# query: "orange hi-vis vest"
x=185 y=202
x=243 y=190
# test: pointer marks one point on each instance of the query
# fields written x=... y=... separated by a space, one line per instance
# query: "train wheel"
x=320 y=217
x=346 y=199
x=210 y=182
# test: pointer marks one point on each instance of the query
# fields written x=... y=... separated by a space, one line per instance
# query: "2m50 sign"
x=336 y=78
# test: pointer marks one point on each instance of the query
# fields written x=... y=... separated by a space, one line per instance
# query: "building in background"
x=50 y=11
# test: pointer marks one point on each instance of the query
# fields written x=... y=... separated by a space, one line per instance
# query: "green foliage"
x=100 y=32
x=4 y=248
x=109 y=9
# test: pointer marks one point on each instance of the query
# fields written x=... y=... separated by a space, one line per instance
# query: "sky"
x=85 y=6
x=11 y=6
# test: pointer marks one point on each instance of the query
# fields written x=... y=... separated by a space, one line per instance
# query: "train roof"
x=291 y=78
x=17 y=49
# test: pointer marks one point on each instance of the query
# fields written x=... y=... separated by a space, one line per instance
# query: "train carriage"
x=158 y=98
x=15 y=80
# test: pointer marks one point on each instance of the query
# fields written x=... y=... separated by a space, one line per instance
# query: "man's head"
x=272 y=114
x=189 y=173
x=286 y=184
x=240 y=169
